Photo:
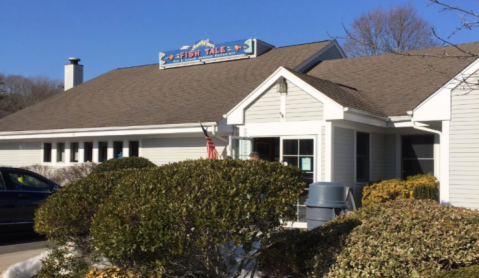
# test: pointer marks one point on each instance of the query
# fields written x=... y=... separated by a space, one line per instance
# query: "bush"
x=425 y=192
x=396 y=189
x=60 y=263
x=195 y=217
x=465 y=272
x=63 y=176
x=408 y=238
x=124 y=163
x=67 y=214
x=112 y=272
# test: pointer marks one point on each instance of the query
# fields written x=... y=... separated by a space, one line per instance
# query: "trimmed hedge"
x=396 y=189
x=408 y=238
x=192 y=216
x=124 y=163
x=67 y=214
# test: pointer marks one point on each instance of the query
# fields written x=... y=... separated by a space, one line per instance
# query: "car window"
x=2 y=184
x=27 y=182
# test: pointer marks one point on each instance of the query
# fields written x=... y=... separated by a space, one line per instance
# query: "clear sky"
x=38 y=36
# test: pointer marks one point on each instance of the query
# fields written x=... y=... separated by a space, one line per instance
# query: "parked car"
x=21 y=192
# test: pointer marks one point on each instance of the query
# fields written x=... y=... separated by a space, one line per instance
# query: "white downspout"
x=425 y=128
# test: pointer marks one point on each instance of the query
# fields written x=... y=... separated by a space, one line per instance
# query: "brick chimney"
x=73 y=73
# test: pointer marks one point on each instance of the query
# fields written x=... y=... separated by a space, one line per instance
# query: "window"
x=118 y=149
x=417 y=155
x=300 y=153
x=74 y=152
x=60 y=152
x=27 y=182
x=102 y=151
x=2 y=184
x=134 y=147
x=47 y=152
x=88 y=151
x=362 y=157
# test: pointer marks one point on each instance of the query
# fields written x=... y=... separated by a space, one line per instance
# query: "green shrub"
x=408 y=238
x=61 y=264
x=67 y=214
x=192 y=216
x=124 y=163
x=396 y=189
x=425 y=192
x=411 y=238
x=464 y=272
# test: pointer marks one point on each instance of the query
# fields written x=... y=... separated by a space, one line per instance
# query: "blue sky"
x=37 y=37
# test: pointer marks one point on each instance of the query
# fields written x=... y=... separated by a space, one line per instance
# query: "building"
x=349 y=120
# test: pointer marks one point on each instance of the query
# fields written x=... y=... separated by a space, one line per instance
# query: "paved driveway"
x=19 y=248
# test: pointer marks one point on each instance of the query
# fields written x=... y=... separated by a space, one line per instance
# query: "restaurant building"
x=348 y=120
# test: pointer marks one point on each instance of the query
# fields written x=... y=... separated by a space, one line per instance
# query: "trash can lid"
x=327 y=195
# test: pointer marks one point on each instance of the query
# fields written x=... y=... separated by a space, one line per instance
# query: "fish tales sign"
x=205 y=50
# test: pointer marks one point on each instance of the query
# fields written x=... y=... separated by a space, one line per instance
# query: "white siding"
x=20 y=154
x=300 y=106
x=464 y=145
x=343 y=157
x=166 y=150
x=265 y=109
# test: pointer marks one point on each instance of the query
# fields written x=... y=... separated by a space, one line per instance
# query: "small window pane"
x=102 y=151
x=134 y=148
x=74 y=152
x=291 y=160
x=118 y=149
x=47 y=152
x=88 y=152
x=60 y=152
x=290 y=147
x=306 y=147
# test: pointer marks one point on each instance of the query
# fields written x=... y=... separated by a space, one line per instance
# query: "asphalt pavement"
x=20 y=247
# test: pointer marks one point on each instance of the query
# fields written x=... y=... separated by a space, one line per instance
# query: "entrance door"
x=300 y=153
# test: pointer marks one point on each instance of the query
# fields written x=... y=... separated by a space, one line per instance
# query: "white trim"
x=105 y=131
x=328 y=159
x=444 y=156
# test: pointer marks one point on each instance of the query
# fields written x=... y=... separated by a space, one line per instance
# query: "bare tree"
x=396 y=30
x=18 y=92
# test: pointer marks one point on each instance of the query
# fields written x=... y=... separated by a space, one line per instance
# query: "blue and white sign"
x=206 y=49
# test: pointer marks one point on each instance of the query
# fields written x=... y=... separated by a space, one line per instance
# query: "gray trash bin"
x=327 y=200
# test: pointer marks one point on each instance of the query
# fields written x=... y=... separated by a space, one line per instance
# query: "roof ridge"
x=303 y=44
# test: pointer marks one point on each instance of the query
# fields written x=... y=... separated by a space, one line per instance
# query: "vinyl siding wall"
x=166 y=150
x=343 y=156
x=20 y=154
x=265 y=109
x=300 y=106
x=464 y=145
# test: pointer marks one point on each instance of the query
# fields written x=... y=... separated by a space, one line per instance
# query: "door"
x=241 y=147
x=30 y=189
x=8 y=210
x=300 y=153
